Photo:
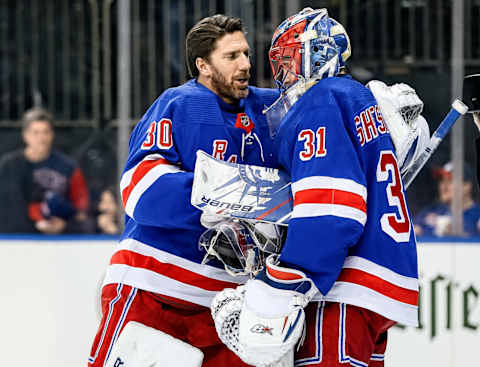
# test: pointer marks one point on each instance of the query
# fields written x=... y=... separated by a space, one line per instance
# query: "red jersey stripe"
x=142 y=169
x=283 y=275
x=330 y=196
x=172 y=271
x=379 y=285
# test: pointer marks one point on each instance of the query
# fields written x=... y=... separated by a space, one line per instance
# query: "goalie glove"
x=401 y=108
x=263 y=320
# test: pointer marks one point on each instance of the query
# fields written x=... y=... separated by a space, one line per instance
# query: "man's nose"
x=244 y=62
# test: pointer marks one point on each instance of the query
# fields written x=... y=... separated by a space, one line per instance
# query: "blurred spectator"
x=42 y=190
x=436 y=219
x=107 y=218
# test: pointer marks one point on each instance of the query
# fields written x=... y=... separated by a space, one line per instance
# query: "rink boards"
x=50 y=302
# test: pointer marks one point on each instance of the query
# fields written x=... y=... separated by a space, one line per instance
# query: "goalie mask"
x=308 y=45
x=241 y=246
x=231 y=243
x=305 y=47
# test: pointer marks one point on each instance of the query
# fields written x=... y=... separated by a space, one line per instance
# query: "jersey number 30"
x=397 y=227
x=159 y=133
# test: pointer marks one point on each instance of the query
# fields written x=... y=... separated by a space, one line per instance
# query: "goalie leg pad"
x=143 y=346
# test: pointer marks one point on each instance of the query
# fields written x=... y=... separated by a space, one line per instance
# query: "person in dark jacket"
x=42 y=189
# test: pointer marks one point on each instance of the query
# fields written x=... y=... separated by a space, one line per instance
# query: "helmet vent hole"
x=315 y=49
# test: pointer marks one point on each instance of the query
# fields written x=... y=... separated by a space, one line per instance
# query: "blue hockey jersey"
x=159 y=249
x=350 y=229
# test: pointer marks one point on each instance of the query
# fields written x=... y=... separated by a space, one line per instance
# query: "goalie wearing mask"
x=347 y=270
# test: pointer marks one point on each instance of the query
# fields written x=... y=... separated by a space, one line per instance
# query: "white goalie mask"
x=241 y=246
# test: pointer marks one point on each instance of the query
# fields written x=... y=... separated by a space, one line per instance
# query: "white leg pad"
x=143 y=346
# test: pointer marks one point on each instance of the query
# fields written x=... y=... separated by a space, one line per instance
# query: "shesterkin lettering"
x=369 y=125
x=227 y=205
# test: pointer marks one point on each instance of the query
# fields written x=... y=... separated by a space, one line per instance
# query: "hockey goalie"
x=346 y=270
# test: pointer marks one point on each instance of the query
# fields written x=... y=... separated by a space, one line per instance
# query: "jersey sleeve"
x=155 y=189
x=330 y=195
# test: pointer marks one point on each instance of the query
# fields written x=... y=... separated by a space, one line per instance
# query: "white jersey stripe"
x=127 y=175
x=326 y=182
x=317 y=210
x=131 y=244
x=157 y=283
x=361 y=296
x=356 y=262
x=147 y=180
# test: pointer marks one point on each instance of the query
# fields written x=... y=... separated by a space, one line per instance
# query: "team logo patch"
x=243 y=122
x=261 y=329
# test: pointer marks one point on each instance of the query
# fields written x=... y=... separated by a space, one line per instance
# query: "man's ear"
x=203 y=67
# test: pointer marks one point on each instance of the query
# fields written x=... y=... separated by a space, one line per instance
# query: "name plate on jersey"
x=241 y=190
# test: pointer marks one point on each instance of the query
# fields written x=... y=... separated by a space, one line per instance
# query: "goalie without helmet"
x=347 y=271
x=157 y=293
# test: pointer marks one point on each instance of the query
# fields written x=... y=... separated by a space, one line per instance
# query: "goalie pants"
x=343 y=335
x=188 y=322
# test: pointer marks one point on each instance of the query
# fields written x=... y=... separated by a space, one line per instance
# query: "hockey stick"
x=458 y=109
x=263 y=194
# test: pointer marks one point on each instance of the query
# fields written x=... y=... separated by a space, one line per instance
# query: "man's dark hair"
x=36 y=114
x=200 y=41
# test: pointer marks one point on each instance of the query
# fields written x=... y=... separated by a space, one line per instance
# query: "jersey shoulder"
x=346 y=92
x=189 y=93
x=263 y=96
x=188 y=103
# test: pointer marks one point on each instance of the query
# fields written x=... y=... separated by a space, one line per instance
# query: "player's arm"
x=154 y=188
x=330 y=195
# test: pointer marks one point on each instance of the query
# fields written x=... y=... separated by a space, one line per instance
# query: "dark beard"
x=225 y=90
